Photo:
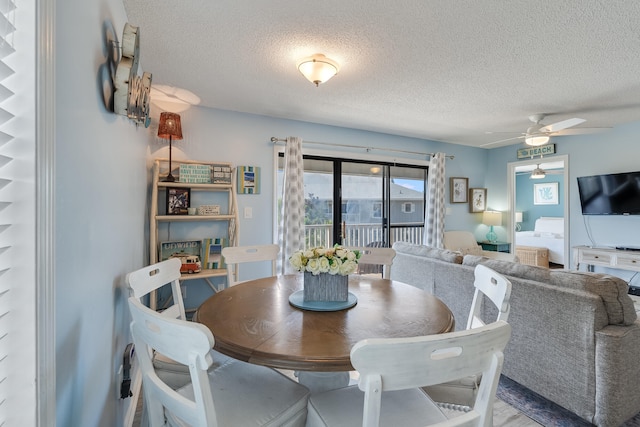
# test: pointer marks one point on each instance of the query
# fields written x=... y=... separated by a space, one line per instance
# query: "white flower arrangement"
x=336 y=260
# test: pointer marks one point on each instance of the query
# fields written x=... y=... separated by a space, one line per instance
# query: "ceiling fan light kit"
x=318 y=68
x=538 y=173
x=536 y=140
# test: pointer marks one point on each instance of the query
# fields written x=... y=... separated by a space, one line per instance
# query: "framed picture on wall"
x=545 y=193
x=458 y=190
x=477 y=200
x=248 y=180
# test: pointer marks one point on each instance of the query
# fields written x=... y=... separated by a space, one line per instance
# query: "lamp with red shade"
x=169 y=128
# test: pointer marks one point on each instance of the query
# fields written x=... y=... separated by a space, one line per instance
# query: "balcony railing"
x=363 y=234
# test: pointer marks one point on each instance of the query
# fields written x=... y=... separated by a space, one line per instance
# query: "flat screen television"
x=612 y=194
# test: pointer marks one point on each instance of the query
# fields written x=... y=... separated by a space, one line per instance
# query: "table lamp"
x=492 y=218
x=169 y=128
x=518 y=221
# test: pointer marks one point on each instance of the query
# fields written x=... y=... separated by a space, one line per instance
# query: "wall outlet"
x=248 y=213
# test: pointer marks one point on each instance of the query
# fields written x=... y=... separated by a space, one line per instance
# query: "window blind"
x=7 y=29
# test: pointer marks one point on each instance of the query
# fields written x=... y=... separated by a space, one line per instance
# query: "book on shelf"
x=212 y=252
x=178 y=248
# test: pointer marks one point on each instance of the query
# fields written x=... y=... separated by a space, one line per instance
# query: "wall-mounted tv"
x=613 y=194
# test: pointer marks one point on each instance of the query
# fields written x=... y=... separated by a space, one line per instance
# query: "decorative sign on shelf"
x=524 y=153
x=221 y=174
x=195 y=174
x=179 y=248
x=209 y=210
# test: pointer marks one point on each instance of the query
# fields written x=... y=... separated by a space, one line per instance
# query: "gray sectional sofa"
x=575 y=335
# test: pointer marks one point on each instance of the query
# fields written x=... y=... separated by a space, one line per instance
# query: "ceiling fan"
x=539 y=134
x=539 y=173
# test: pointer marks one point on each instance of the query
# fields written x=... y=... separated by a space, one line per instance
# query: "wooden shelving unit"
x=158 y=215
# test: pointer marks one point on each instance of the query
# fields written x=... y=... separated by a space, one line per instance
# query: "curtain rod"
x=276 y=140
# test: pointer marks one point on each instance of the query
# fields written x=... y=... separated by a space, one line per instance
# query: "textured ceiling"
x=467 y=71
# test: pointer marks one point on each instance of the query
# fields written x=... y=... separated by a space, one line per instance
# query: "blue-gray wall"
x=100 y=213
x=613 y=151
x=525 y=201
x=102 y=189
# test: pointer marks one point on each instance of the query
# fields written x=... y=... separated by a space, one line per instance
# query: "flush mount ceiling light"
x=318 y=68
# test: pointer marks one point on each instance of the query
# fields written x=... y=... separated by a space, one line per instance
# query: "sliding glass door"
x=361 y=203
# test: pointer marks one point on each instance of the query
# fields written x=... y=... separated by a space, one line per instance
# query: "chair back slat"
x=493 y=286
x=150 y=278
x=235 y=255
x=377 y=256
x=404 y=363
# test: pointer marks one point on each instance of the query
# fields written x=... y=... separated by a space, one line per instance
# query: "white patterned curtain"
x=291 y=230
x=434 y=220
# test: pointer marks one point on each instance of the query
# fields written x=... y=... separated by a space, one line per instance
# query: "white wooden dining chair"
x=374 y=256
x=235 y=394
x=490 y=286
x=236 y=255
x=142 y=283
x=392 y=370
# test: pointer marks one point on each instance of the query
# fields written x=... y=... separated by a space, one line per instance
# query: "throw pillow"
x=426 y=251
x=523 y=271
x=611 y=289
x=473 y=260
x=477 y=250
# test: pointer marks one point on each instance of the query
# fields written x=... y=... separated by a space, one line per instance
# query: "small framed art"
x=178 y=200
x=458 y=190
x=248 y=180
x=545 y=193
x=477 y=200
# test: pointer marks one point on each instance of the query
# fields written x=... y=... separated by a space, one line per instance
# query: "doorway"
x=526 y=209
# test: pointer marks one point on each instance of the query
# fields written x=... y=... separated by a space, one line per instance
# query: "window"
x=329 y=210
x=376 y=210
x=376 y=203
x=408 y=207
x=17 y=219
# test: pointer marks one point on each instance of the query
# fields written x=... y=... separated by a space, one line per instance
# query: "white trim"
x=45 y=208
x=511 y=199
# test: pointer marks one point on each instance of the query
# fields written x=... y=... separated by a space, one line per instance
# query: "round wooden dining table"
x=254 y=321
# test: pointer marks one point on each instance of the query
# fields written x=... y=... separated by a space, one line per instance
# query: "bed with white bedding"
x=548 y=233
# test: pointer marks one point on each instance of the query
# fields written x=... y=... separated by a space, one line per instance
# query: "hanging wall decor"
x=248 y=180
x=132 y=95
x=477 y=200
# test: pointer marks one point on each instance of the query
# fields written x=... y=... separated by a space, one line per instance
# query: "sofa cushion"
x=427 y=251
x=473 y=250
x=611 y=289
x=473 y=260
x=522 y=271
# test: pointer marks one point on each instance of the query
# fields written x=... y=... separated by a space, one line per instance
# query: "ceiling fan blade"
x=502 y=140
x=555 y=127
x=579 y=131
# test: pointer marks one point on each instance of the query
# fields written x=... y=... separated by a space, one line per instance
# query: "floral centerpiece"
x=335 y=260
x=326 y=271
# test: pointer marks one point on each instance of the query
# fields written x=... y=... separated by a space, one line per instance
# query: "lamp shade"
x=518 y=216
x=318 y=68
x=170 y=126
x=492 y=218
